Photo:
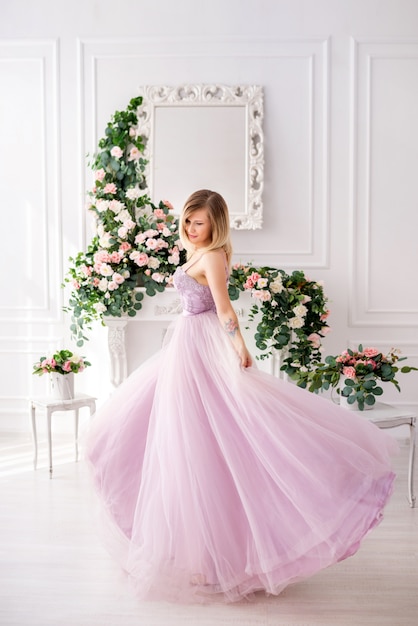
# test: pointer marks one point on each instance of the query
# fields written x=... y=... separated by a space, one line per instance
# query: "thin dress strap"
x=198 y=259
x=191 y=264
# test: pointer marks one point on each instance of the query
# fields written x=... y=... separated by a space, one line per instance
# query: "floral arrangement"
x=291 y=311
x=60 y=362
x=360 y=370
x=133 y=237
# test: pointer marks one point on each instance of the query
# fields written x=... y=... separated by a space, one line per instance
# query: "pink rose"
x=86 y=269
x=124 y=246
x=324 y=316
x=151 y=244
x=134 y=154
x=100 y=174
x=110 y=188
x=116 y=152
x=315 y=340
x=159 y=214
x=118 y=278
x=115 y=257
x=67 y=366
x=102 y=257
x=168 y=205
x=140 y=258
x=370 y=352
x=349 y=372
x=325 y=330
x=76 y=284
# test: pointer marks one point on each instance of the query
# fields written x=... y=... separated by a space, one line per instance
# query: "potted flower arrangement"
x=133 y=237
x=61 y=367
x=290 y=310
x=356 y=374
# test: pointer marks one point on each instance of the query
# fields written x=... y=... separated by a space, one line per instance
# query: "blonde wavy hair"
x=218 y=215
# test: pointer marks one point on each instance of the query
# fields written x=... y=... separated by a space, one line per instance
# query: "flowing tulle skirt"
x=219 y=481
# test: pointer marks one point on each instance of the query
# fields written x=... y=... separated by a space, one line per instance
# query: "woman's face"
x=198 y=228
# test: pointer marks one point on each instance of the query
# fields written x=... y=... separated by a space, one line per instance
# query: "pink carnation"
x=159 y=214
x=100 y=174
x=110 y=188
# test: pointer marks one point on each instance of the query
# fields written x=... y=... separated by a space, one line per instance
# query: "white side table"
x=388 y=416
x=50 y=405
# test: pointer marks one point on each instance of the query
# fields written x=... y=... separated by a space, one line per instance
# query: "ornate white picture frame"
x=205 y=136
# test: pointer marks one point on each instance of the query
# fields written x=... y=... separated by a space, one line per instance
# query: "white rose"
x=102 y=205
x=153 y=263
x=103 y=284
x=262 y=282
x=123 y=216
x=276 y=286
x=300 y=310
x=133 y=193
x=104 y=240
x=106 y=270
x=296 y=322
x=100 y=307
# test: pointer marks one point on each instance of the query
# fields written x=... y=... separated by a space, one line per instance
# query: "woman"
x=218 y=479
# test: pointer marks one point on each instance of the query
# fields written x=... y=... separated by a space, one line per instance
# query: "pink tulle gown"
x=219 y=481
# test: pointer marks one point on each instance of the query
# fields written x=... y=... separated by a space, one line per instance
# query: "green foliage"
x=355 y=374
x=133 y=237
x=290 y=312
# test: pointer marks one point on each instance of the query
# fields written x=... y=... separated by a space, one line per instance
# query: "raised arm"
x=213 y=265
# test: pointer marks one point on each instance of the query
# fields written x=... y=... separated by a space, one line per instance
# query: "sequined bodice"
x=195 y=297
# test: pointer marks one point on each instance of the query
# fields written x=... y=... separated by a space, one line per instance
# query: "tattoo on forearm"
x=231 y=327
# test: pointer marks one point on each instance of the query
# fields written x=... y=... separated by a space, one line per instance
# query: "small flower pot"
x=61 y=386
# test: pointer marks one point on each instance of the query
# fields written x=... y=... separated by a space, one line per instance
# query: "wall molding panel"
x=304 y=174
x=28 y=73
x=384 y=184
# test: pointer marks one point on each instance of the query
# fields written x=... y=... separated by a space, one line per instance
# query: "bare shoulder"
x=214 y=258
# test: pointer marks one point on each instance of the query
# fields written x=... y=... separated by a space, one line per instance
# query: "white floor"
x=54 y=571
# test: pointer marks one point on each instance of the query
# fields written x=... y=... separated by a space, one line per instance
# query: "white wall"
x=341 y=134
